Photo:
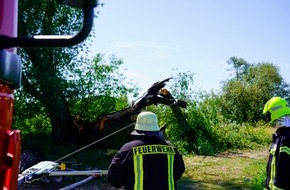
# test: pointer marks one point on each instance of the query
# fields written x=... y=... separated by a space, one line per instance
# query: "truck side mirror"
x=10 y=69
x=79 y=3
x=57 y=40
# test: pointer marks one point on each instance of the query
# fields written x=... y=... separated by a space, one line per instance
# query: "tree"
x=62 y=84
x=43 y=67
x=240 y=66
x=243 y=97
x=99 y=88
x=53 y=78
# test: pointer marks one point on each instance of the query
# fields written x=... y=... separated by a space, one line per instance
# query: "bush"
x=241 y=136
x=188 y=130
x=192 y=132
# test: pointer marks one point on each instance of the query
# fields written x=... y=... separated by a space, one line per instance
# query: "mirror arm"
x=88 y=12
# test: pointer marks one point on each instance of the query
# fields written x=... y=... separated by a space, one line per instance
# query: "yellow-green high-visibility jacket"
x=278 y=167
x=147 y=163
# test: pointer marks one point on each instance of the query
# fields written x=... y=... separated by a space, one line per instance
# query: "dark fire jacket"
x=278 y=166
x=147 y=163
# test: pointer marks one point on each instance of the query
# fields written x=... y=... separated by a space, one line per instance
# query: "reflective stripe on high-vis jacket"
x=139 y=172
x=273 y=165
x=170 y=162
x=140 y=151
x=285 y=149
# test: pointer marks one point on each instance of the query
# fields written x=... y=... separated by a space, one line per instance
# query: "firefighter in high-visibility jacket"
x=277 y=112
x=148 y=162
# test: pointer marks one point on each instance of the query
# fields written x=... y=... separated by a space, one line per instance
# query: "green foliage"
x=101 y=77
x=243 y=96
x=35 y=131
x=101 y=88
x=258 y=182
x=45 y=69
x=182 y=85
x=201 y=138
x=93 y=107
x=240 y=67
x=187 y=128
x=209 y=106
x=39 y=124
x=25 y=106
x=201 y=128
x=61 y=82
x=245 y=136
x=227 y=120
x=201 y=134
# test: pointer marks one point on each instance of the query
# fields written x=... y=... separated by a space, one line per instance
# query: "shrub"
x=241 y=136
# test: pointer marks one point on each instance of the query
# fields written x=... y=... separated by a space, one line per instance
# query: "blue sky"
x=155 y=37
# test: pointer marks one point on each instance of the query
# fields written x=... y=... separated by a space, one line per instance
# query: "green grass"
x=230 y=170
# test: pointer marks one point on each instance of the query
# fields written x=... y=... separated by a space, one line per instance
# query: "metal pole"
x=74 y=185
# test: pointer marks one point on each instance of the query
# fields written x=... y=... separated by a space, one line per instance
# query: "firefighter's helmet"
x=275 y=108
x=147 y=121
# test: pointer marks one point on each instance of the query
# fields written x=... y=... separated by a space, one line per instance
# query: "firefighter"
x=148 y=162
x=277 y=112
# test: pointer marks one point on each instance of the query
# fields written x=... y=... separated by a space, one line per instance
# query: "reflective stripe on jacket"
x=146 y=164
x=278 y=166
x=140 y=154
